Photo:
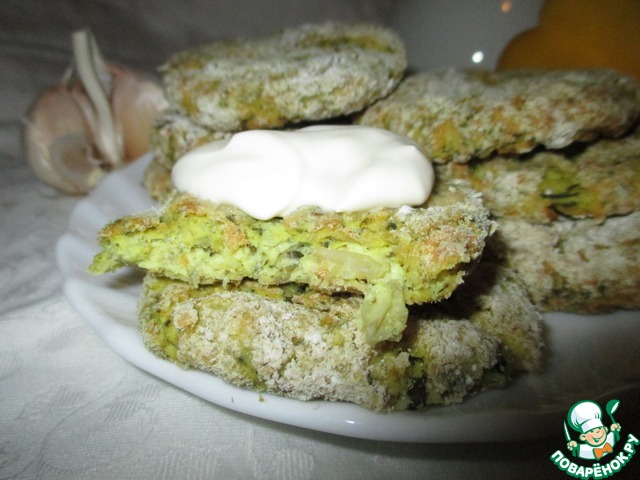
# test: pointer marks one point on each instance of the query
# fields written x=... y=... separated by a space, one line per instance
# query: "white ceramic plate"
x=587 y=357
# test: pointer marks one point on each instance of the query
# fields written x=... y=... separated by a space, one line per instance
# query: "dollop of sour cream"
x=269 y=173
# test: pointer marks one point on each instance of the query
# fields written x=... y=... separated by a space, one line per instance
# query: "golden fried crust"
x=457 y=115
x=312 y=72
x=306 y=345
x=596 y=180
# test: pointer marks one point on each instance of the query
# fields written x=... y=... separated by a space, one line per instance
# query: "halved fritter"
x=392 y=256
x=307 y=73
x=595 y=180
x=305 y=345
x=457 y=115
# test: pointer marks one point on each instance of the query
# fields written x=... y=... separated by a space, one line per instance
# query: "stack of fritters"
x=296 y=306
x=390 y=308
x=556 y=155
x=569 y=222
x=326 y=305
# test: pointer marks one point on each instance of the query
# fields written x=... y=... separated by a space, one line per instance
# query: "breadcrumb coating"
x=157 y=180
x=302 y=344
x=595 y=180
x=457 y=115
x=584 y=266
x=568 y=221
x=311 y=72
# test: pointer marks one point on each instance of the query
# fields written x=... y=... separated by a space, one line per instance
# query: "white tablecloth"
x=70 y=408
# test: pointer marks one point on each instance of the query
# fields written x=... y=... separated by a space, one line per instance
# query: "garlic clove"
x=97 y=119
x=135 y=102
x=58 y=143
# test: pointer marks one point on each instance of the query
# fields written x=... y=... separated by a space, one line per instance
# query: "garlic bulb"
x=97 y=119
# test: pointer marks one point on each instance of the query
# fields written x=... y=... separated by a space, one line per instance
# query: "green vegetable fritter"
x=597 y=180
x=462 y=114
x=302 y=344
x=307 y=73
x=393 y=257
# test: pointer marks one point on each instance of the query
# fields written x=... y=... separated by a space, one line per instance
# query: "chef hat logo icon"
x=595 y=439
x=592 y=433
x=585 y=416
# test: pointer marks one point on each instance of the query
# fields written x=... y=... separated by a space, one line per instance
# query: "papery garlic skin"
x=136 y=101
x=58 y=143
x=97 y=119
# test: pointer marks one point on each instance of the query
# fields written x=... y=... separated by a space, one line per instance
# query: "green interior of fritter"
x=273 y=254
x=363 y=252
x=582 y=181
x=565 y=194
x=553 y=186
